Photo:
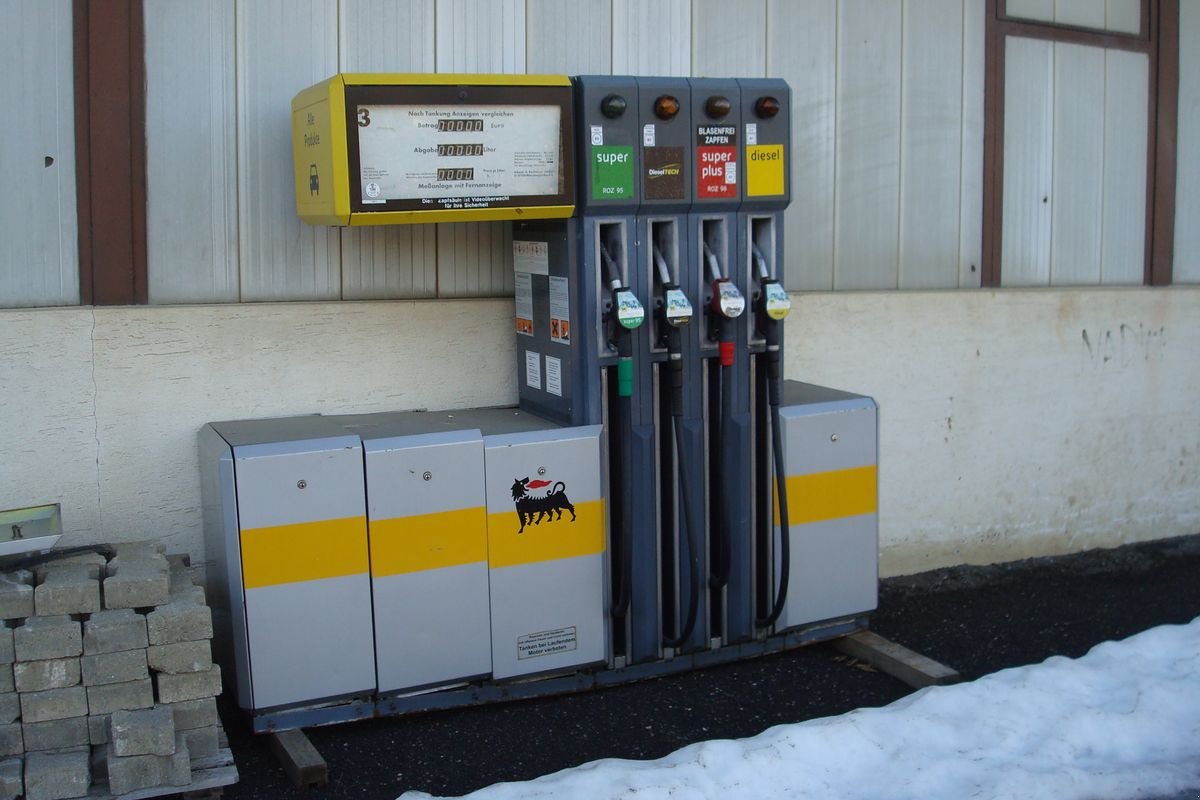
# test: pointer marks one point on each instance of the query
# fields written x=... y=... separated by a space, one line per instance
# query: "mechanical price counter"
x=381 y=149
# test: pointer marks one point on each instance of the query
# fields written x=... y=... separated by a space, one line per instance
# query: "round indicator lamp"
x=766 y=107
x=717 y=106
x=613 y=106
x=666 y=107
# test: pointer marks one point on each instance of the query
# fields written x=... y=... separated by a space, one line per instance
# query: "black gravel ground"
x=974 y=619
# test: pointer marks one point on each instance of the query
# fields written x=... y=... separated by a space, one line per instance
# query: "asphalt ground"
x=974 y=619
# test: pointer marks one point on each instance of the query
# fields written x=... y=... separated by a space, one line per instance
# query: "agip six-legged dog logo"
x=549 y=505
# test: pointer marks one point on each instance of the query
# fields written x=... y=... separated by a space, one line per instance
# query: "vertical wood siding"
x=1187 y=187
x=1074 y=165
x=39 y=262
x=1121 y=16
x=888 y=131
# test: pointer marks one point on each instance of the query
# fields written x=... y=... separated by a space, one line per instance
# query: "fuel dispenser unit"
x=661 y=500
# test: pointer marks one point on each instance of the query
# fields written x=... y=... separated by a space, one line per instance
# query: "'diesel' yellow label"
x=764 y=170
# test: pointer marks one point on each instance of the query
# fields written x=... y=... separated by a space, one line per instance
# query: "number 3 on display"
x=364 y=117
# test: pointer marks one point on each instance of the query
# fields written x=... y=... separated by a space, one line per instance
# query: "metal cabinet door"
x=832 y=486
x=303 y=536
x=428 y=525
x=546 y=542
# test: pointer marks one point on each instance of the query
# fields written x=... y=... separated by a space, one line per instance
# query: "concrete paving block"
x=179 y=561
x=57 y=776
x=94 y=562
x=55 y=734
x=98 y=728
x=202 y=742
x=179 y=622
x=68 y=589
x=10 y=707
x=7 y=653
x=11 y=742
x=41 y=638
x=40 y=676
x=193 y=595
x=54 y=704
x=191 y=714
x=120 y=697
x=137 y=584
x=180 y=657
x=148 y=731
x=6 y=678
x=129 y=773
x=12 y=778
x=16 y=596
x=188 y=685
x=113 y=631
x=119 y=667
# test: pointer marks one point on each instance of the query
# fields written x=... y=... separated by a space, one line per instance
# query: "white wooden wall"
x=888 y=140
x=1121 y=16
x=1187 y=154
x=1075 y=128
x=39 y=262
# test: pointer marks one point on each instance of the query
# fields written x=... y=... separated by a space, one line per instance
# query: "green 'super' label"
x=612 y=173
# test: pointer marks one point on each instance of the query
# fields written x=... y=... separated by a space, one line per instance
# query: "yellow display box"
x=386 y=149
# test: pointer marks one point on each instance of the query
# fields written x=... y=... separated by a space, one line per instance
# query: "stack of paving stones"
x=106 y=675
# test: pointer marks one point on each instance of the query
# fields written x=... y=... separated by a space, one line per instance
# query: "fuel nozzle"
x=628 y=311
x=676 y=311
x=773 y=306
x=727 y=304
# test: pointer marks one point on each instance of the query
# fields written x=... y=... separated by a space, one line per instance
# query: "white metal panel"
x=1084 y=13
x=475 y=259
x=970 y=196
x=39 y=262
x=1028 y=158
x=568 y=36
x=867 y=164
x=1123 y=229
x=931 y=129
x=1078 y=168
x=283 y=46
x=1124 y=16
x=1187 y=164
x=1042 y=10
x=651 y=38
x=728 y=38
x=191 y=152
x=388 y=261
x=801 y=49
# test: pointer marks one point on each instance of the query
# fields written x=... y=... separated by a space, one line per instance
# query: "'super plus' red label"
x=716 y=172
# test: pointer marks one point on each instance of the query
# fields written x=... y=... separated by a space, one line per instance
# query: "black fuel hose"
x=774 y=391
x=691 y=529
x=621 y=599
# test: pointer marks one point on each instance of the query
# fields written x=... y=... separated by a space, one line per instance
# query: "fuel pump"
x=715 y=161
x=665 y=182
x=766 y=106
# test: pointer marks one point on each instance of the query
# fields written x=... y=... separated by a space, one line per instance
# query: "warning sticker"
x=560 y=310
x=532 y=257
x=554 y=376
x=545 y=643
x=533 y=369
x=524 y=310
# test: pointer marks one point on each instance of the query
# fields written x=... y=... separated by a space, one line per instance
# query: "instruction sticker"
x=524 y=309
x=533 y=257
x=554 y=376
x=545 y=643
x=560 y=311
x=533 y=369
x=648 y=135
x=597 y=135
x=751 y=133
